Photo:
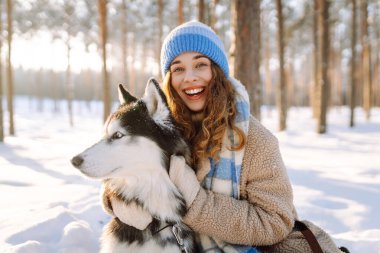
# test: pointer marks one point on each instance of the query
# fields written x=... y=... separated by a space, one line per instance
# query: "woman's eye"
x=117 y=135
x=201 y=65
x=178 y=69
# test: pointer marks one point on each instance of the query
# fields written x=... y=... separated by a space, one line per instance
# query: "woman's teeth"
x=194 y=91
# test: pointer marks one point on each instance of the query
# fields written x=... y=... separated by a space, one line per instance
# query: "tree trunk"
x=9 y=67
x=180 y=17
x=213 y=17
x=366 y=59
x=330 y=73
x=1 y=78
x=53 y=78
x=124 y=39
x=291 y=84
x=323 y=82
x=69 y=11
x=132 y=71
x=247 y=51
x=69 y=83
x=376 y=69
x=268 y=75
x=305 y=81
x=160 y=12
x=281 y=87
x=338 y=77
x=39 y=90
x=353 y=65
x=103 y=43
x=313 y=89
x=201 y=11
x=88 y=84
x=376 y=80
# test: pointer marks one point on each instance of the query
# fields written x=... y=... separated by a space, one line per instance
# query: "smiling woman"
x=41 y=51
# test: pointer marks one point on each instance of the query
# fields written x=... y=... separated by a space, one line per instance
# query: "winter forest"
x=288 y=53
x=311 y=68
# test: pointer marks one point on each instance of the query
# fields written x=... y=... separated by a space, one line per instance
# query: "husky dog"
x=133 y=160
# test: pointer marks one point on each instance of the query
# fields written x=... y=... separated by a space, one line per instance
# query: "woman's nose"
x=190 y=75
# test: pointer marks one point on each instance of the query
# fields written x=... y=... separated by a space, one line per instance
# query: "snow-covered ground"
x=48 y=206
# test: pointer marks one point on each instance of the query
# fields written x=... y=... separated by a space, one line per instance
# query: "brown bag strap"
x=309 y=236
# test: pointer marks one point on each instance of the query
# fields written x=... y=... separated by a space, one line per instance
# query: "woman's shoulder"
x=258 y=133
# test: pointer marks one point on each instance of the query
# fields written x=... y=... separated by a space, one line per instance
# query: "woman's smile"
x=194 y=93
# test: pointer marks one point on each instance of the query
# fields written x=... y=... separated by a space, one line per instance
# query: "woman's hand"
x=131 y=214
x=184 y=179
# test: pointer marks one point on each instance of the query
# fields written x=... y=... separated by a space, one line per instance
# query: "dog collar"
x=177 y=232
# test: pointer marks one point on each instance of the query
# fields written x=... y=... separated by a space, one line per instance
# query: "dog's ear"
x=155 y=100
x=125 y=96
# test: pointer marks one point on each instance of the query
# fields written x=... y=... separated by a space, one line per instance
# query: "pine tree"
x=103 y=41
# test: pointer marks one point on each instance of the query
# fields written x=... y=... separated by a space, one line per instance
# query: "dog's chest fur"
x=156 y=195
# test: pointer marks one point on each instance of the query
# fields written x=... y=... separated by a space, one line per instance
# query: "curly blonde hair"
x=206 y=135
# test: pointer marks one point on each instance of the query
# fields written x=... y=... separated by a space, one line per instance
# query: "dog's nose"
x=77 y=161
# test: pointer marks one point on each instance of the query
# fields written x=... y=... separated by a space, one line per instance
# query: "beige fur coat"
x=266 y=215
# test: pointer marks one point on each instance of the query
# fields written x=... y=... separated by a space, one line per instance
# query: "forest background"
x=308 y=65
x=288 y=53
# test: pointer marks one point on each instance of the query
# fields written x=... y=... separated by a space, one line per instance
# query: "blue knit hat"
x=193 y=36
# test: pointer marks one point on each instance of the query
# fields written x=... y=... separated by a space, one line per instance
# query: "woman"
x=237 y=192
x=240 y=193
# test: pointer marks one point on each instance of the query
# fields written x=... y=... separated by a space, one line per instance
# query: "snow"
x=48 y=206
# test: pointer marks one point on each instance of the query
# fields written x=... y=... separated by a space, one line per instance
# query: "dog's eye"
x=117 y=135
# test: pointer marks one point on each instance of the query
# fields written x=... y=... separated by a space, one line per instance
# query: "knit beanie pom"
x=193 y=36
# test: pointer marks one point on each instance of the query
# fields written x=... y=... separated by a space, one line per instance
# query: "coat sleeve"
x=265 y=214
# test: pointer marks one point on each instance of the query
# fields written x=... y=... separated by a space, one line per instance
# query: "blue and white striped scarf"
x=224 y=176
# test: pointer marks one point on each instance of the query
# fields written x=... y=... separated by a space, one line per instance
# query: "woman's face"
x=190 y=76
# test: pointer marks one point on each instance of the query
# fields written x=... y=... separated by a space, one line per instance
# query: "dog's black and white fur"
x=133 y=160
